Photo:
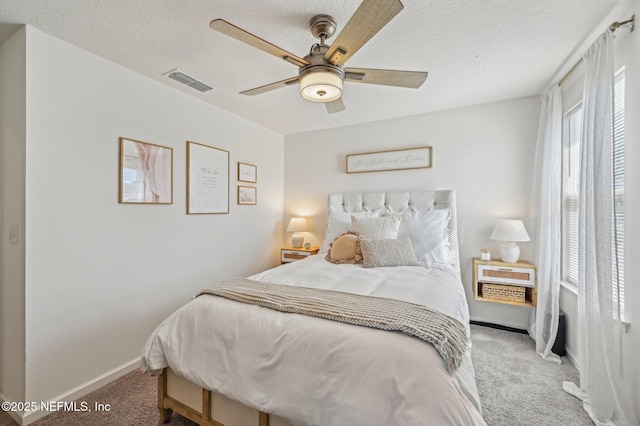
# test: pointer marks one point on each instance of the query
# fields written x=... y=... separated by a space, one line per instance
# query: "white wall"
x=102 y=275
x=484 y=153
x=12 y=204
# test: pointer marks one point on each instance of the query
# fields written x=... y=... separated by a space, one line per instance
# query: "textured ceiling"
x=475 y=51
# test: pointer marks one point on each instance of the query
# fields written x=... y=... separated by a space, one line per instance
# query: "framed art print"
x=146 y=173
x=207 y=179
x=247 y=173
x=247 y=195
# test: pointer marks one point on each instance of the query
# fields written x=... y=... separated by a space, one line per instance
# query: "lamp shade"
x=321 y=86
x=297 y=224
x=510 y=230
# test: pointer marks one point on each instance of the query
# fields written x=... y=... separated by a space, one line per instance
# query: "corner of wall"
x=12 y=214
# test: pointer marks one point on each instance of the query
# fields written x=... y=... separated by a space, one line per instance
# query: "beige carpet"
x=517 y=388
x=132 y=400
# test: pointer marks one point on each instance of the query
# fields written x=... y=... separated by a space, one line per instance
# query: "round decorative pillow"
x=345 y=249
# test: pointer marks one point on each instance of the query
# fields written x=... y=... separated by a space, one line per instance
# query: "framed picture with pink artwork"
x=146 y=173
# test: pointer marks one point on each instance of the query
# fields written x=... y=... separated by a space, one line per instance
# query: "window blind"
x=571 y=181
x=617 y=285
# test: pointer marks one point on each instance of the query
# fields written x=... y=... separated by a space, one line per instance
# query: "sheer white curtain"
x=600 y=330
x=547 y=199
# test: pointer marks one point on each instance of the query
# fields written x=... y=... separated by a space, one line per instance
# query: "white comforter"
x=313 y=371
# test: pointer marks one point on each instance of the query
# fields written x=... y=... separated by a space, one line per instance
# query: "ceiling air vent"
x=183 y=78
x=198 y=85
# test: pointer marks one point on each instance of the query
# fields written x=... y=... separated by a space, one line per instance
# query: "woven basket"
x=507 y=293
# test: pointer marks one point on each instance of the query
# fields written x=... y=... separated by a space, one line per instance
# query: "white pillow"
x=442 y=253
x=428 y=233
x=340 y=222
x=376 y=228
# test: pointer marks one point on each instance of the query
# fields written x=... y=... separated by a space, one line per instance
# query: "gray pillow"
x=376 y=253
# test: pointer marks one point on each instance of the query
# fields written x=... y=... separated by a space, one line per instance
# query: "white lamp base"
x=297 y=240
x=509 y=252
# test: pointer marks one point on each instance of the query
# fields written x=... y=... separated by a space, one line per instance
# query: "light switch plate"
x=13 y=234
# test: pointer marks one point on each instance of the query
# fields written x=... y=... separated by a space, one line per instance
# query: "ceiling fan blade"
x=238 y=33
x=272 y=86
x=410 y=79
x=370 y=17
x=335 y=106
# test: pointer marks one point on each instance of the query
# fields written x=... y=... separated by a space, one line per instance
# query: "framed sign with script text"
x=399 y=159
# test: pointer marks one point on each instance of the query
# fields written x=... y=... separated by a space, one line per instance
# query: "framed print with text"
x=207 y=179
x=247 y=173
x=398 y=159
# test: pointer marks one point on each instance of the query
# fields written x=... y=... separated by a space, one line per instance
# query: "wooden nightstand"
x=291 y=254
x=510 y=283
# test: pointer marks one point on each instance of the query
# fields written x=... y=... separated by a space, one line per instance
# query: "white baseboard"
x=572 y=358
x=26 y=418
x=13 y=414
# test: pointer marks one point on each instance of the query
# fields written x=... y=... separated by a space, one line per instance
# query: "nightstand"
x=291 y=254
x=501 y=282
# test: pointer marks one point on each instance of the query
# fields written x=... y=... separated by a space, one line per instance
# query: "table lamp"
x=510 y=232
x=297 y=225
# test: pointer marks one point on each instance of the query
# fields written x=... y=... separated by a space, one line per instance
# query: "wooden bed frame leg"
x=165 y=413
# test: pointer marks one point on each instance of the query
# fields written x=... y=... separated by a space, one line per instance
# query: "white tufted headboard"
x=400 y=202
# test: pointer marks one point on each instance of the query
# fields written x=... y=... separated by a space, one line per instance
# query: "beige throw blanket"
x=447 y=334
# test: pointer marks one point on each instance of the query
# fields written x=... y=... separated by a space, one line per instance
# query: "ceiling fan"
x=322 y=73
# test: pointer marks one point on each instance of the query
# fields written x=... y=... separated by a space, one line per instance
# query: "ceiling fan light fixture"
x=322 y=72
x=321 y=86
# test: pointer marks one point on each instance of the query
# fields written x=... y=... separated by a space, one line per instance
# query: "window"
x=570 y=191
x=617 y=285
x=572 y=132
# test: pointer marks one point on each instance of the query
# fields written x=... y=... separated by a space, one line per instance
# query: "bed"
x=221 y=360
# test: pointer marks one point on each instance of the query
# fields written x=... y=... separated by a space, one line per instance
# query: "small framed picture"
x=247 y=173
x=247 y=195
